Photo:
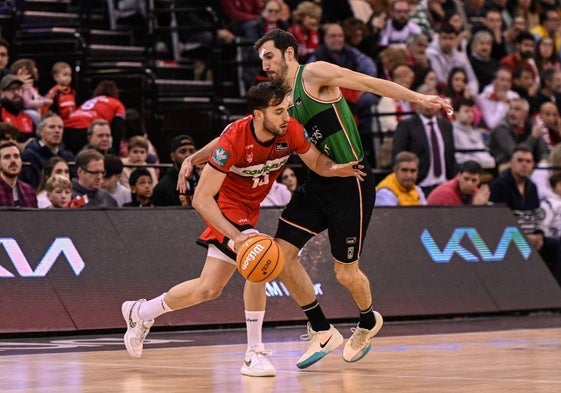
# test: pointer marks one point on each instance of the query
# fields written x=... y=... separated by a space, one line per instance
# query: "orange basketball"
x=260 y=259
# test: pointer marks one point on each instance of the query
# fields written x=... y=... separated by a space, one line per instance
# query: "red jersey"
x=251 y=168
x=64 y=100
x=22 y=121
x=100 y=107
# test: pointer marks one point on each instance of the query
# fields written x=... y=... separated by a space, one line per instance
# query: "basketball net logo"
x=252 y=255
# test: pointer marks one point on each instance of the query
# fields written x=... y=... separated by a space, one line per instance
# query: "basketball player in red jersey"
x=245 y=161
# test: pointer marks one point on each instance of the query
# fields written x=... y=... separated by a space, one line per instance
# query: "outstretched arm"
x=324 y=166
x=323 y=74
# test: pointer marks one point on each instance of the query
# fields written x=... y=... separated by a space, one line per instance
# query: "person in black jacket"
x=165 y=192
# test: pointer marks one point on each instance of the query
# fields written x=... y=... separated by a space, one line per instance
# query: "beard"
x=270 y=127
x=527 y=54
x=398 y=25
x=10 y=173
x=279 y=77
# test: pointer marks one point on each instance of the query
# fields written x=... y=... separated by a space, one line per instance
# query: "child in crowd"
x=142 y=188
x=59 y=191
x=62 y=94
x=54 y=166
x=113 y=172
x=137 y=154
x=33 y=102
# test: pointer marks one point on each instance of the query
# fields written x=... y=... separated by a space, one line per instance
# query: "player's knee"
x=210 y=292
x=346 y=274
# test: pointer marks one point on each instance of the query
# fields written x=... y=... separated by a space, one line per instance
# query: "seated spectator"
x=59 y=192
x=431 y=138
x=304 y=27
x=86 y=188
x=398 y=27
x=517 y=128
x=457 y=89
x=240 y=12
x=140 y=183
x=444 y=56
x=544 y=170
x=4 y=57
x=111 y=184
x=134 y=125
x=14 y=192
x=11 y=104
x=549 y=26
x=34 y=104
x=8 y=132
x=62 y=93
x=483 y=64
x=548 y=91
x=395 y=109
x=522 y=57
x=38 y=151
x=463 y=189
x=98 y=136
x=165 y=192
x=549 y=117
x=515 y=189
x=467 y=137
x=524 y=83
x=54 y=166
x=551 y=206
x=289 y=179
x=359 y=36
x=138 y=153
x=398 y=188
x=546 y=58
x=495 y=98
x=104 y=104
x=416 y=48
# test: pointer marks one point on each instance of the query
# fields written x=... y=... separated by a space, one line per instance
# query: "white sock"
x=153 y=308
x=254 y=323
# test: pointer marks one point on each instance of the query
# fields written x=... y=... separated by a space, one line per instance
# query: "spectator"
x=517 y=128
x=113 y=170
x=138 y=153
x=524 y=83
x=134 y=125
x=469 y=140
x=493 y=22
x=54 y=166
x=396 y=110
x=529 y=11
x=165 y=192
x=550 y=23
x=495 y=98
x=304 y=27
x=104 y=104
x=62 y=93
x=549 y=115
x=545 y=57
x=11 y=102
x=8 y=133
x=515 y=189
x=279 y=195
x=13 y=192
x=551 y=206
x=86 y=189
x=544 y=170
x=426 y=76
x=444 y=56
x=141 y=186
x=548 y=91
x=38 y=151
x=59 y=191
x=240 y=12
x=34 y=104
x=430 y=138
x=359 y=36
x=289 y=179
x=463 y=189
x=398 y=188
x=523 y=55
x=483 y=64
x=399 y=27
x=416 y=47
x=4 y=57
x=98 y=136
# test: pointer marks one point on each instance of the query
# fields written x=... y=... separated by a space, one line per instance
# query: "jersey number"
x=261 y=181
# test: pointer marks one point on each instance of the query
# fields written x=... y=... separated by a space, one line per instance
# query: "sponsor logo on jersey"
x=350 y=240
x=220 y=156
x=281 y=145
x=260 y=169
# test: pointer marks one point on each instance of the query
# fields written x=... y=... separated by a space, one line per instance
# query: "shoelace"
x=309 y=336
x=358 y=337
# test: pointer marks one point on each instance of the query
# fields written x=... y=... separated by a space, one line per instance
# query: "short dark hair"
x=282 y=40
x=470 y=166
x=523 y=148
x=85 y=156
x=554 y=179
x=463 y=102
x=525 y=36
x=8 y=130
x=265 y=94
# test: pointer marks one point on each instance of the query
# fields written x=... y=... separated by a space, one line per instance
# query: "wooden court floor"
x=507 y=358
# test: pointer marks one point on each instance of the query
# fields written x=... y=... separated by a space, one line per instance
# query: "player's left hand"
x=184 y=173
x=352 y=168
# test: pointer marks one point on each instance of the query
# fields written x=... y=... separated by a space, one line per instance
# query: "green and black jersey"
x=329 y=125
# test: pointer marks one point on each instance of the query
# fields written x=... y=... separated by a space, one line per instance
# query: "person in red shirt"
x=62 y=94
x=104 y=104
x=244 y=163
x=463 y=189
x=11 y=107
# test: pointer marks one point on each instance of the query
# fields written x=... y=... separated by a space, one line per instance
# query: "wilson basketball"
x=260 y=259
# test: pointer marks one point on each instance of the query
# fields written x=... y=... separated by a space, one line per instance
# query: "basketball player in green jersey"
x=342 y=206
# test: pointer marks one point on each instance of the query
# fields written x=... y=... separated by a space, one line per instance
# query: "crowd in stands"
x=498 y=63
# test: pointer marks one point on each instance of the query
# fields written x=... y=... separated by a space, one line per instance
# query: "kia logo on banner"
x=61 y=245
x=511 y=235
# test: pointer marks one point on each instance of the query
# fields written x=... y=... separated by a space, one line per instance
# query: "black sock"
x=315 y=316
x=367 y=319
